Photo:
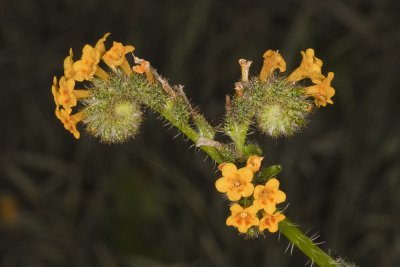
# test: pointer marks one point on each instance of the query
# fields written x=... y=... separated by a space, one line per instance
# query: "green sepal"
x=268 y=173
x=251 y=150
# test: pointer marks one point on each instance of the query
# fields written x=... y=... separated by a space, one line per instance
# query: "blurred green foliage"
x=152 y=202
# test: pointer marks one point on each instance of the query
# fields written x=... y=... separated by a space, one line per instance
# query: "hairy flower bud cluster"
x=279 y=104
x=110 y=114
x=107 y=108
x=283 y=109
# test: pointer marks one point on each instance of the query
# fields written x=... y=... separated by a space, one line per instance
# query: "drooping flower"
x=87 y=66
x=254 y=163
x=310 y=67
x=69 y=72
x=271 y=221
x=115 y=57
x=267 y=196
x=144 y=67
x=236 y=183
x=100 y=44
x=322 y=92
x=70 y=121
x=272 y=60
x=65 y=94
x=66 y=98
x=243 y=218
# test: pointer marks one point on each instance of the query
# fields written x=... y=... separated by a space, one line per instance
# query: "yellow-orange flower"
x=65 y=94
x=267 y=196
x=66 y=98
x=272 y=60
x=235 y=183
x=116 y=57
x=242 y=218
x=69 y=72
x=100 y=44
x=86 y=67
x=254 y=163
x=69 y=120
x=271 y=221
x=322 y=92
x=310 y=67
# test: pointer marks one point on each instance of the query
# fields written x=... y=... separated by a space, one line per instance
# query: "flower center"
x=237 y=183
x=265 y=193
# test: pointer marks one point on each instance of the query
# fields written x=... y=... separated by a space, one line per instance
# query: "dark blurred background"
x=152 y=201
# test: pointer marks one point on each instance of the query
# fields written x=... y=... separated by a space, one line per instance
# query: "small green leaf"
x=252 y=149
x=269 y=172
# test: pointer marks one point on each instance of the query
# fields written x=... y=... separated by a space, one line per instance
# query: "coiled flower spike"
x=280 y=104
x=107 y=111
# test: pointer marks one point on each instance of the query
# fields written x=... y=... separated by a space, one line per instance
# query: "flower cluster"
x=310 y=67
x=254 y=204
x=279 y=104
x=88 y=69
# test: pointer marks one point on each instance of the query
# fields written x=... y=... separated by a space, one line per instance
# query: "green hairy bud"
x=283 y=108
x=111 y=114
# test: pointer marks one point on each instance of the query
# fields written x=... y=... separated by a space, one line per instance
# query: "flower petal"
x=248 y=190
x=280 y=196
x=221 y=185
x=272 y=183
x=235 y=208
x=227 y=169
x=246 y=174
x=233 y=195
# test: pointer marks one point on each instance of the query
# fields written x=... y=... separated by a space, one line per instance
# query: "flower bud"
x=111 y=114
x=283 y=109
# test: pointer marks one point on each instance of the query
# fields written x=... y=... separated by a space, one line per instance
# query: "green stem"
x=305 y=244
x=192 y=135
x=288 y=229
x=238 y=134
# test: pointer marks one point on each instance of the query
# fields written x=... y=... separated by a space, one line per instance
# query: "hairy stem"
x=238 y=134
x=288 y=229
x=192 y=135
x=305 y=244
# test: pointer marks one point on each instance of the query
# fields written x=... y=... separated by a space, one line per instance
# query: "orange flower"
x=68 y=66
x=64 y=93
x=70 y=121
x=242 y=218
x=310 y=67
x=100 y=44
x=235 y=183
x=322 y=92
x=66 y=98
x=271 y=221
x=272 y=60
x=86 y=67
x=254 y=163
x=267 y=196
x=116 y=57
x=144 y=67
